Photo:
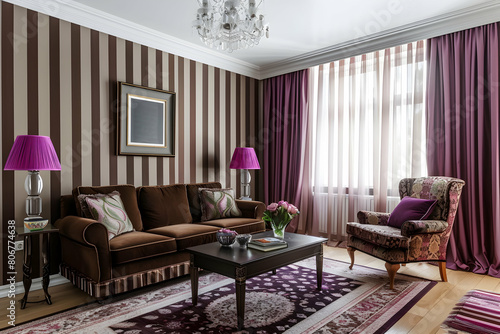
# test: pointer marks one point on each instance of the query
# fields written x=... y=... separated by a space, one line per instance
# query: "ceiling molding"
x=92 y=18
x=437 y=26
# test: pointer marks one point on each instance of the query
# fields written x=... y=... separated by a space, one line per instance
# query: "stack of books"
x=267 y=244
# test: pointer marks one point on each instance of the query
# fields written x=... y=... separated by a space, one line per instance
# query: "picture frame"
x=146 y=121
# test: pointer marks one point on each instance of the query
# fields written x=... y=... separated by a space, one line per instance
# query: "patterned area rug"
x=351 y=301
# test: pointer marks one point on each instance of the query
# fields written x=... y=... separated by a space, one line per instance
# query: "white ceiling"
x=302 y=33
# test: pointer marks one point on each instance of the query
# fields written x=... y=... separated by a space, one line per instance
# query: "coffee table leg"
x=194 y=281
x=241 y=278
x=319 y=268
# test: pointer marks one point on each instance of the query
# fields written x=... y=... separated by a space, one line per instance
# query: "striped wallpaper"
x=59 y=79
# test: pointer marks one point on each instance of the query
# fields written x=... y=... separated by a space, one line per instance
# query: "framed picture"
x=146 y=121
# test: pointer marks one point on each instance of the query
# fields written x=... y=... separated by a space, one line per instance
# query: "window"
x=368 y=127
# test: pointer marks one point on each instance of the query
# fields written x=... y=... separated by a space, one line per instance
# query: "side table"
x=27 y=234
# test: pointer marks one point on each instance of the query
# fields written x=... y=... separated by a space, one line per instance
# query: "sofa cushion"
x=382 y=235
x=188 y=235
x=240 y=225
x=128 y=197
x=194 y=197
x=85 y=207
x=411 y=209
x=163 y=205
x=218 y=203
x=108 y=210
x=231 y=223
x=135 y=245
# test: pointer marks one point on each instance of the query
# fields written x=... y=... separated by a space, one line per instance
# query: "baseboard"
x=36 y=284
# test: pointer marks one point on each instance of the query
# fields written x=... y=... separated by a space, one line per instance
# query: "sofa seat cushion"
x=163 y=205
x=136 y=245
x=240 y=225
x=382 y=235
x=188 y=235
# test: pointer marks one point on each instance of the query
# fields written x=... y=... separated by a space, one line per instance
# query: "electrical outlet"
x=19 y=245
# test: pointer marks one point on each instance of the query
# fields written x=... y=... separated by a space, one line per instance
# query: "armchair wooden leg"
x=351 y=250
x=392 y=270
x=442 y=271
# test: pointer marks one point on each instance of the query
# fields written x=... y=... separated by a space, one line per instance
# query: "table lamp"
x=244 y=158
x=33 y=153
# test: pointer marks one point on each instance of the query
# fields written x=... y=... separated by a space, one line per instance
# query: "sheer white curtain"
x=366 y=131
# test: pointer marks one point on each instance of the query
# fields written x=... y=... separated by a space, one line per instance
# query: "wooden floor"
x=425 y=317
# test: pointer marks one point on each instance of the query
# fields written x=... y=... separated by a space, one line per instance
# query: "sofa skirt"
x=123 y=283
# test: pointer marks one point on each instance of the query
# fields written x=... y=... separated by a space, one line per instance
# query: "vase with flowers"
x=279 y=215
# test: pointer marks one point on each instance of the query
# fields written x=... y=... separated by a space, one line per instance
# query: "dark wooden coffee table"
x=242 y=263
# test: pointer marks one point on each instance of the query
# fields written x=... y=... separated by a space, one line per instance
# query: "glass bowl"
x=243 y=239
x=226 y=239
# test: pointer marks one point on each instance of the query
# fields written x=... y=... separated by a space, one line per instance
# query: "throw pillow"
x=84 y=206
x=411 y=208
x=128 y=196
x=193 y=195
x=109 y=211
x=218 y=203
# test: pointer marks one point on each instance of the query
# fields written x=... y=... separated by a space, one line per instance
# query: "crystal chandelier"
x=230 y=25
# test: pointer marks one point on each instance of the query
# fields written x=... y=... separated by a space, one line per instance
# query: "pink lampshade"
x=32 y=153
x=244 y=158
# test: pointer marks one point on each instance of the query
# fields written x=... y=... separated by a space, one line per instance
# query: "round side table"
x=27 y=234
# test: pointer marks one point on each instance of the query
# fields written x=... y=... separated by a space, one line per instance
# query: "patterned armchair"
x=417 y=240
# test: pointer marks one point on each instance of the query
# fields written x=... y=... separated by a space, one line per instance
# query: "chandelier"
x=230 y=25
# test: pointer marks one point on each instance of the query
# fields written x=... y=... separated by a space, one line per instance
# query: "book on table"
x=268 y=241
x=267 y=248
x=267 y=244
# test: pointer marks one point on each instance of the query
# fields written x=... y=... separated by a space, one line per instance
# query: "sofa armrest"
x=85 y=246
x=413 y=227
x=373 y=218
x=83 y=230
x=251 y=209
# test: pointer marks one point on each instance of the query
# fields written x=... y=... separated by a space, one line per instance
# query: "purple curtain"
x=285 y=120
x=463 y=140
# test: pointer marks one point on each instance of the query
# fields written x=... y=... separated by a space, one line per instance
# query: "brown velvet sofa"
x=166 y=221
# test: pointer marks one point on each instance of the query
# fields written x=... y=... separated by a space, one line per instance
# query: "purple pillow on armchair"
x=411 y=208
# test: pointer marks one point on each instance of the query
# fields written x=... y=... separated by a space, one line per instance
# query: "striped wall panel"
x=59 y=79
